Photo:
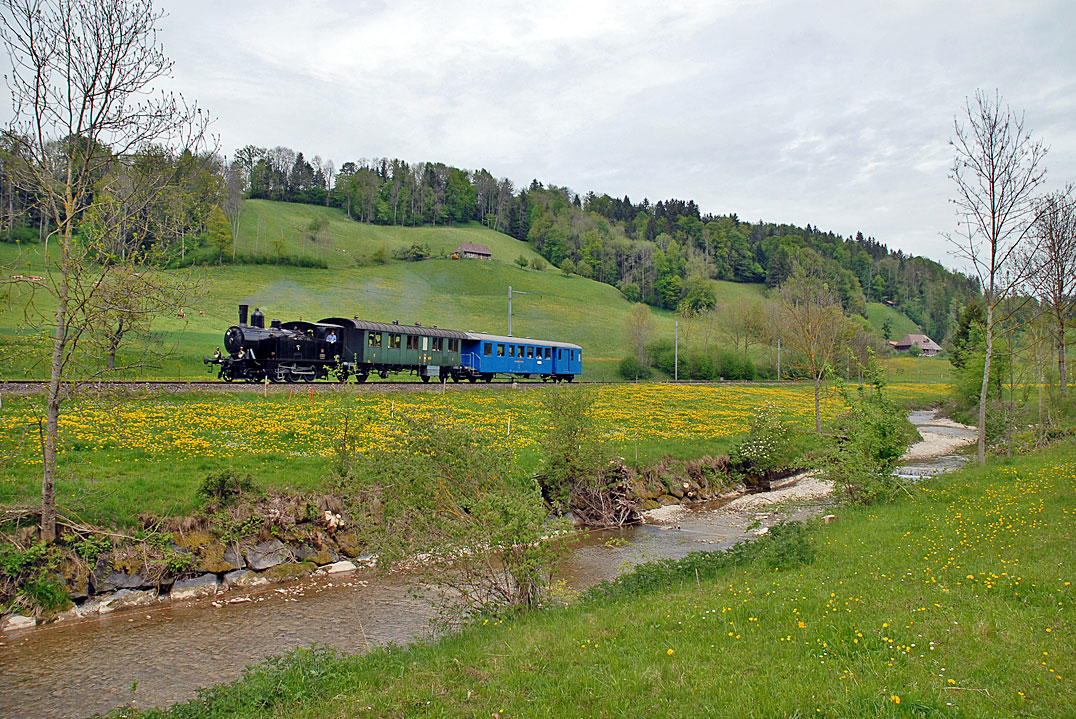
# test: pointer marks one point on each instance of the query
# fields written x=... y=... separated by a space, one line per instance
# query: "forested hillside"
x=659 y=253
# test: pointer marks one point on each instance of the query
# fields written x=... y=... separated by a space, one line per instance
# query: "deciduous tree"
x=83 y=84
x=1054 y=266
x=997 y=166
x=811 y=323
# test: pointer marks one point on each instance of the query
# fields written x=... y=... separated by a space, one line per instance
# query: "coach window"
x=530 y=353
x=487 y=349
x=511 y=350
x=375 y=339
x=519 y=351
x=500 y=350
x=394 y=341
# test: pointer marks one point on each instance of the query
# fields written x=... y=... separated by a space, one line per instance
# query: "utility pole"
x=515 y=292
x=676 y=351
x=778 y=359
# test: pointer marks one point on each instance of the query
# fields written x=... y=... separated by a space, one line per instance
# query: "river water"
x=159 y=655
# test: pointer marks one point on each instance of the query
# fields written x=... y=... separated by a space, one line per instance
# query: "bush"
x=414 y=253
x=225 y=487
x=445 y=492
x=45 y=593
x=771 y=446
x=701 y=366
x=871 y=436
x=632 y=369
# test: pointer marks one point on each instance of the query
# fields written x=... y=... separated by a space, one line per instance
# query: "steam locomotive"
x=338 y=348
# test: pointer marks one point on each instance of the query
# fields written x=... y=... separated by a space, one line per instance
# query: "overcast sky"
x=836 y=114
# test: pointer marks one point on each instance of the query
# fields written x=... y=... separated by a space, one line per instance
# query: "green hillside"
x=877 y=313
x=347 y=243
x=460 y=294
x=463 y=294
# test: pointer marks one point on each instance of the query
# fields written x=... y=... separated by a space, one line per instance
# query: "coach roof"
x=483 y=337
x=386 y=327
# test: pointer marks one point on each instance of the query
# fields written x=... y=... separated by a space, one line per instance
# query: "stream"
x=161 y=654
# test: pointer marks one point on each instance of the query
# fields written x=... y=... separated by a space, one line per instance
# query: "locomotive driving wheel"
x=226 y=374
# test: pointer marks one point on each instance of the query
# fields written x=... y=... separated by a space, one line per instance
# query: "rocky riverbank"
x=278 y=538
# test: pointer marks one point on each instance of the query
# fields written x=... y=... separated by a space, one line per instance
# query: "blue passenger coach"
x=483 y=356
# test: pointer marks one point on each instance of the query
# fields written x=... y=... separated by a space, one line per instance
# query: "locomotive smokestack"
x=242 y=315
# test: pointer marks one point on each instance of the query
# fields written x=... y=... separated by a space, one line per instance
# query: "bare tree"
x=743 y=321
x=1053 y=265
x=640 y=330
x=812 y=325
x=997 y=166
x=84 y=105
x=235 y=185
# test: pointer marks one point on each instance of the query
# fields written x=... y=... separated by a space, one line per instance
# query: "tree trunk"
x=53 y=401
x=1062 y=364
x=817 y=413
x=986 y=381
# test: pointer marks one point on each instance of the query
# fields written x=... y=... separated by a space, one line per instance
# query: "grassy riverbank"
x=123 y=455
x=953 y=601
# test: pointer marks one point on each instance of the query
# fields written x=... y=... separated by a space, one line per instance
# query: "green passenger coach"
x=383 y=348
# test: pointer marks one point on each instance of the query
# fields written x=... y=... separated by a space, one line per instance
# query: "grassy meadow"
x=148 y=453
x=458 y=294
x=877 y=314
x=952 y=601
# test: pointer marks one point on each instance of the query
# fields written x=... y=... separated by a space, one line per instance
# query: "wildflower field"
x=954 y=600
x=150 y=451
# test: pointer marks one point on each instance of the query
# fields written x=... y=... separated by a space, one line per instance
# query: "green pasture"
x=123 y=454
x=877 y=314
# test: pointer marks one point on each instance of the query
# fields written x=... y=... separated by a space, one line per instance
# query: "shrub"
x=577 y=474
x=414 y=253
x=701 y=366
x=871 y=436
x=632 y=369
x=225 y=487
x=447 y=493
x=45 y=593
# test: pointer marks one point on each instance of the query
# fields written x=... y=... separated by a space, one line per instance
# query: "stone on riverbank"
x=265 y=555
x=242 y=578
x=339 y=567
x=15 y=622
x=287 y=571
x=120 y=600
x=195 y=587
